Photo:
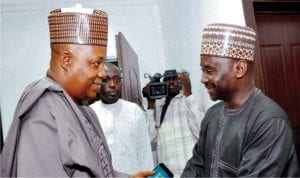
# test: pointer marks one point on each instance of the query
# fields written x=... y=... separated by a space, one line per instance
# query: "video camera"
x=158 y=89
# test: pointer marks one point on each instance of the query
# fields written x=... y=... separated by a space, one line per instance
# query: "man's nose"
x=111 y=83
x=171 y=81
x=102 y=71
x=204 y=79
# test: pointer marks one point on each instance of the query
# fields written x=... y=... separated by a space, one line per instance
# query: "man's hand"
x=186 y=84
x=143 y=174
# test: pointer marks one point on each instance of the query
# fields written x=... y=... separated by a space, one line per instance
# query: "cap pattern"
x=78 y=28
x=226 y=40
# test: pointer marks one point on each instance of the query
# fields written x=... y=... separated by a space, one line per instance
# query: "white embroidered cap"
x=228 y=40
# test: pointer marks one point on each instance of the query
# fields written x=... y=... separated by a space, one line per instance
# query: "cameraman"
x=174 y=121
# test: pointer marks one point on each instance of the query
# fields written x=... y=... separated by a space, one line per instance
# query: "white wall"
x=164 y=33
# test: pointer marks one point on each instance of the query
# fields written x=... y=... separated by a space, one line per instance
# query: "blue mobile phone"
x=161 y=171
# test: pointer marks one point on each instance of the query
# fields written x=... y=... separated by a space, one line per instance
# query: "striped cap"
x=78 y=27
x=227 y=40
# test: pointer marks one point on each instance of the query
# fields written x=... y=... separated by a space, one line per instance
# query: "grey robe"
x=257 y=141
x=48 y=136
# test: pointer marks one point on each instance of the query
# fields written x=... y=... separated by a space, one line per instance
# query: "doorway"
x=129 y=64
x=277 y=24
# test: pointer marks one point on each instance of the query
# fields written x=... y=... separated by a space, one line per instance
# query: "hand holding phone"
x=161 y=171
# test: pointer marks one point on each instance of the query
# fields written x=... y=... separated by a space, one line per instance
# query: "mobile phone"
x=161 y=171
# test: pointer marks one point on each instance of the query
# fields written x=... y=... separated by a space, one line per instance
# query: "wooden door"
x=280 y=54
x=128 y=62
x=278 y=30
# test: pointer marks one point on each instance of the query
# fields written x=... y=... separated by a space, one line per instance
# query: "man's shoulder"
x=40 y=86
x=95 y=105
x=128 y=103
x=129 y=106
x=217 y=106
x=266 y=108
x=37 y=92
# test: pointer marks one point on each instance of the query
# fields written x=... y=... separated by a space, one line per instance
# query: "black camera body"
x=157 y=89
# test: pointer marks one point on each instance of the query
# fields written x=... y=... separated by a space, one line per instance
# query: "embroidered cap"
x=227 y=40
x=78 y=26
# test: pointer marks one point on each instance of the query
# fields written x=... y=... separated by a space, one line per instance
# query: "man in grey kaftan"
x=246 y=134
x=51 y=126
x=54 y=134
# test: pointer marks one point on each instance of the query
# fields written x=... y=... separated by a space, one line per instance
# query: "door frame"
x=253 y=7
x=249 y=17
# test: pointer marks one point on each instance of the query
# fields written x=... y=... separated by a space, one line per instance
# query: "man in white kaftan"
x=124 y=125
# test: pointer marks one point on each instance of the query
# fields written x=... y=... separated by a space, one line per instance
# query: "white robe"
x=125 y=128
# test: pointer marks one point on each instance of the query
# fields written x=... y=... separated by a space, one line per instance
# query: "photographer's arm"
x=151 y=104
x=194 y=106
x=150 y=116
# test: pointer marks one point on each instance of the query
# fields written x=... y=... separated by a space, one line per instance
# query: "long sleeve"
x=269 y=151
x=179 y=132
x=195 y=165
x=144 y=152
x=196 y=114
x=151 y=125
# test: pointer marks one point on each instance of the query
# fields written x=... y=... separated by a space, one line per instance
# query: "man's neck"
x=239 y=98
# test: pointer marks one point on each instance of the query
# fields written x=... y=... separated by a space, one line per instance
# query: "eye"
x=117 y=79
x=165 y=79
x=96 y=64
x=209 y=71
x=104 y=81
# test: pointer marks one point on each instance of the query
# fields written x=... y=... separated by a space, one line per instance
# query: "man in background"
x=246 y=134
x=54 y=134
x=174 y=125
x=124 y=125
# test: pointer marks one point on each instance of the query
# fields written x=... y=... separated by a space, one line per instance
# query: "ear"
x=241 y=67
x=66 y=60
